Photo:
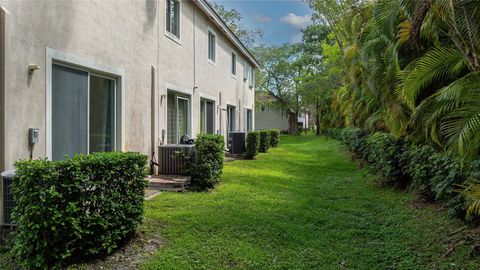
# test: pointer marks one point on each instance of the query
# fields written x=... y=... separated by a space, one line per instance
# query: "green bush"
x=384 y=152
x=253 y=143
x=447 y=177
x=207 y=168
x=334 y=133
x=76 y=207
x=264 y=141
x=355 y=139
x=274 y=137
x=419 y=168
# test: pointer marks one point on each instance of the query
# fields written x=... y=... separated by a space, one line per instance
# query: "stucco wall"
x=271 y=118
x=127 y=35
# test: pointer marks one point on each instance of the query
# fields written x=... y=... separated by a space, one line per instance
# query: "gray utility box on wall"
x=173 y=158
x=8 y=203
x=237 y=142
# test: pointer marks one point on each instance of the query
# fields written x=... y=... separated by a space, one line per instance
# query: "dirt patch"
x=129 y=256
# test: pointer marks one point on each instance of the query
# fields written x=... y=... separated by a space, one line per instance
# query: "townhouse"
x=90 y=76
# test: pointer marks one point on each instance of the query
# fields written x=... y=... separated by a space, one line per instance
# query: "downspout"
x=194 y=49
x=4 y=48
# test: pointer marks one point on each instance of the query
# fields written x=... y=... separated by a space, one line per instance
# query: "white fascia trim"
x=220 y=24
x=57 y=56
x=179 y=89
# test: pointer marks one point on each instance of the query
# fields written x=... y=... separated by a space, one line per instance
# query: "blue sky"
x=281 y=20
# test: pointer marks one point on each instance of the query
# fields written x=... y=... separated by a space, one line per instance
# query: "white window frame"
x=78 y=63
x=251 y=77
x=246 y=109
x=172 y=36
x=214 y=60
x=189 y=120
x=202 y=99
x=182 y=91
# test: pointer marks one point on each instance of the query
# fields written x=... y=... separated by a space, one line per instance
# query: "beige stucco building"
x=92 y=76
x=117 y=75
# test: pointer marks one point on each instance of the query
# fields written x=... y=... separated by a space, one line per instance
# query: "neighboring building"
x=304 y=121
x=270 y=114
x=117 y=75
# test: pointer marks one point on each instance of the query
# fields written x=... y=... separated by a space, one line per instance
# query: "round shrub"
x=264 y=141
x=76 y=207
x=205 y=172
x=274 y=137
x=253 y=143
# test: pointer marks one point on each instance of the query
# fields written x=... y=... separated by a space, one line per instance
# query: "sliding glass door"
x=83 y=112
x=207 y=116
x=178 y=117
x=69 y=112
x=102 y=114
x=231 y=118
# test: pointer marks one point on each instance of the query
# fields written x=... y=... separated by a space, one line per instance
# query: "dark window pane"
x=102 y=114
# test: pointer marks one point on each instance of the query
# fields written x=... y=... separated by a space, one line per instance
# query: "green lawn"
x=303 y=205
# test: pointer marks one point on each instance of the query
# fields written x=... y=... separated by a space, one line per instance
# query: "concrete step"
x=168 y=183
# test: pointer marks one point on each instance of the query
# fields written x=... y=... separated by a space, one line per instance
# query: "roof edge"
x=215 y=17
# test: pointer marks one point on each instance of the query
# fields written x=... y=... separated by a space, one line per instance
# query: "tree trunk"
x=421 y=10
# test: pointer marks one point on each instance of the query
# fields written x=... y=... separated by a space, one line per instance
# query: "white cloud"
x=262 y=18
x=296 y=21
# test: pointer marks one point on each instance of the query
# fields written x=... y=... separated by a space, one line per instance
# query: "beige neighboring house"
x=117 y=75
x=271 y=115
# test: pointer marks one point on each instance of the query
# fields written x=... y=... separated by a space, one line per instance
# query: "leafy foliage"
x=207 y=168
x=274 y=137
x=253 y=144
x=76 y=207
x=384 y=152
x=264 y=141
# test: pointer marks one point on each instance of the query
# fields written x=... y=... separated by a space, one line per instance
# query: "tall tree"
x=233 y=19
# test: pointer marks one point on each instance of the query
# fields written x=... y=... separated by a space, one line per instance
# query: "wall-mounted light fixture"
x=32 y=68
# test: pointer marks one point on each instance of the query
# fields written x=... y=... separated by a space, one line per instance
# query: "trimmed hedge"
x=434 y=175
x=77 y=207
x=384 y=152
x=207 y=168
x=274 y=137
x=264 y=141
x=253 y=143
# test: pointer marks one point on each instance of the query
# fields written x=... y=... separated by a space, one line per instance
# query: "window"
x=231 y=118
x=246 y=71
x=212 y=40
x=249 y=120
x=234 y=63
x=251 y=77
x=173 y=17
x=178 y=117
x=83 y=112
x=207 y=116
